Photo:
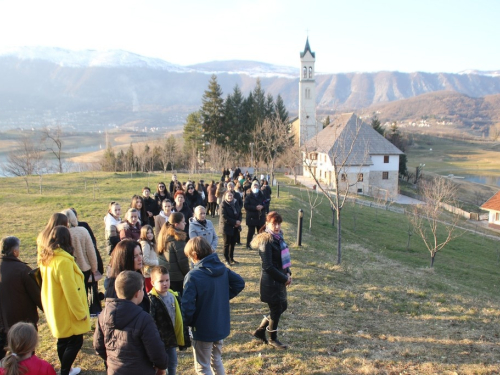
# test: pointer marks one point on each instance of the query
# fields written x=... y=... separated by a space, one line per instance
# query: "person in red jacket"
x=23 y=340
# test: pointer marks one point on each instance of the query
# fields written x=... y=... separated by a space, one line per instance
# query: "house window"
x=385 y=175
x=313 y=156
x=360 y=177
x=343 y=177
x=497 y=216
x=386 y=158
x=305 y=73
x=310 y=72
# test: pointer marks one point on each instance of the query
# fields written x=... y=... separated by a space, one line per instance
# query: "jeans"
x=67 y=350
x=172 y=361
x=208 y=357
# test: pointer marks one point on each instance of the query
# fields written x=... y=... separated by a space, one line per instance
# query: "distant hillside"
x=445 y=108
x=97 y=90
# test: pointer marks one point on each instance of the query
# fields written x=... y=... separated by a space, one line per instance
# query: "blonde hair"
x=44 y=236
x=22 y=339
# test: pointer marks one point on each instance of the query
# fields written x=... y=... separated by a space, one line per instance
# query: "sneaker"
x=75 y=371
x=234 y=262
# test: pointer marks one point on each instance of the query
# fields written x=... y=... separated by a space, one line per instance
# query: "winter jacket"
x=221 y=189
x=207 y=231
x=17 y=285
x=151 y=205
x=128 y=340
x=83 y=249
x=128 y=231
x=273 y=277
x=212 y=197
x=111 y=233
x=64 y=298
x=159 y=222
x=205 y=299
x=34 y=366
x=174 y=257
x=194 y=200
x=188 y=214
x=229 y=218
x=110 y=293
x=100 y=265
x=171 y=336
x=255 y=217
x=149 y=257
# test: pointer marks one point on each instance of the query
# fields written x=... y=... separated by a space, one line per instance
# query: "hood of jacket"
x=175 y=235
x=211 y=266
x=260 y=240
x=118 y=313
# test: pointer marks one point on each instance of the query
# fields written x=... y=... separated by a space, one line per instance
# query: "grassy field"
x=382 y=311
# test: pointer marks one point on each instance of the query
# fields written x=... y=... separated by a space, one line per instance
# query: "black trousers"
x=67 y=350
x=229 y=242
x=251 y=231
x=276 y=309
x=211 y=208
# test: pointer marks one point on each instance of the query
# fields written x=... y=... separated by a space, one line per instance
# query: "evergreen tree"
x=377 y=125
x=234 y=119
x=108 y=162
x=270 y=107
x=281 y=109
x=212 y=113
x=130 y=158
x=326 y=122
x=194 y=137
x=259 y=105
x=394 y=136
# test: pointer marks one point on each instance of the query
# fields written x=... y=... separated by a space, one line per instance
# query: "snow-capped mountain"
x=119 y=58
x=488 y=73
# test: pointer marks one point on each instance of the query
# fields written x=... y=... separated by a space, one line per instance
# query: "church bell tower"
x=308 y=127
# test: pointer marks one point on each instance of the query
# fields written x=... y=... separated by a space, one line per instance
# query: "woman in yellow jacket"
x=63 y=296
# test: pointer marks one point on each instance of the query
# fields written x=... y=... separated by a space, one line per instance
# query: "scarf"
x=202 y=222
x=286 y=260
x=233 y=206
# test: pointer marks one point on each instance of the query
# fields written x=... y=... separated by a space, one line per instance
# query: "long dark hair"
x=122 y=257
x=133 y=204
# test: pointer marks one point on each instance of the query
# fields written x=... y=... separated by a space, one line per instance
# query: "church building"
x=348 y=154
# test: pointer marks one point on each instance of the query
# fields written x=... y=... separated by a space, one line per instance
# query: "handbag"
x=37 y=276
x=94 y=298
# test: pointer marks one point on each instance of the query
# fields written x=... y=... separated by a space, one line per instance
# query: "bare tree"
x=436 y=227
x=314 y=201
x=55 y=145
x=25 y=160
x=292 y=159
x=347 y=156
x=168 y=155
x=219 y=156
x=272 y=138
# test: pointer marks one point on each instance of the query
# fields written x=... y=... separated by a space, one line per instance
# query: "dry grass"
x=370 y=315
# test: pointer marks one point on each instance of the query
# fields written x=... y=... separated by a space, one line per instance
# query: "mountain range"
x=95 y=90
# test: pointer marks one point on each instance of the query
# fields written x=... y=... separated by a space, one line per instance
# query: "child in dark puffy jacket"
x=166 y=312
x=125 y=335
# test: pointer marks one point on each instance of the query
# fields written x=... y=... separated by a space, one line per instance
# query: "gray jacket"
x=206 y=231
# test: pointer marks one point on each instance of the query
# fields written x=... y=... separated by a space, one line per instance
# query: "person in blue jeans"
x=208 y=287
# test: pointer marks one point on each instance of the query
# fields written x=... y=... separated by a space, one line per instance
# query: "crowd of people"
x=166 y=288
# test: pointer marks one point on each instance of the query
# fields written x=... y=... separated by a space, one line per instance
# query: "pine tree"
x=377 y=125
x=194 y=137
x=212 y=113
x=234 y=119
x=281 y=109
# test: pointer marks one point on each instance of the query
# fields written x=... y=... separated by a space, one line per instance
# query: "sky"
x=346 y=35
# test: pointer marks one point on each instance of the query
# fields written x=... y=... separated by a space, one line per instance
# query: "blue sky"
x=347 y=35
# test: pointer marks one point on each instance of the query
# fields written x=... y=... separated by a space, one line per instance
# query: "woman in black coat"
x=193 y=197
x=275 y=276
x=231 y=224
x=255 y=210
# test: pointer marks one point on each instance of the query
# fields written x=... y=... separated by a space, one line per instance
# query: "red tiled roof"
x=493 y=203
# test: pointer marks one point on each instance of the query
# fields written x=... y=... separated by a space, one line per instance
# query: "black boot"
x=260 y=332
x=273 y=341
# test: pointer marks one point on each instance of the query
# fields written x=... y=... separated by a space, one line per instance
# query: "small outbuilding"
x=492 y=205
